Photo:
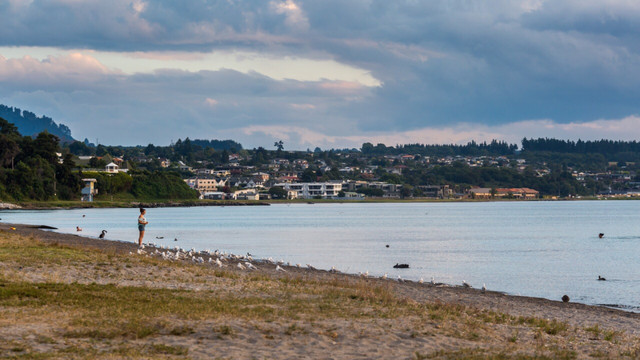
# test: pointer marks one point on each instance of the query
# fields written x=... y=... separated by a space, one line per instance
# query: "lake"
x=543 y=249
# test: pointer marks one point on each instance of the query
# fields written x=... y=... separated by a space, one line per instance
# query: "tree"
x=308 y=175
x=279 y=146
x=277 y=192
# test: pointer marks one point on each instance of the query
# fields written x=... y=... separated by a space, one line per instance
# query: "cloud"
x=295 y=17
x=627 y=128
x=76 y=69
x=430 y=65
x=211 y=102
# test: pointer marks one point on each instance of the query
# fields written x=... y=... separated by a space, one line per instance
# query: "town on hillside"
x=357 y=174
x=42 y=167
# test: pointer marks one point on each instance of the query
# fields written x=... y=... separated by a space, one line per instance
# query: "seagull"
x=484 y=287
x=433 y=281
x=102 y=234
x=600 y=278
x=465 y=284
x=278 y=268
x=384 y=277
x=400 y=279
x=251 y=266
x=421 y=281
x=219 y=263
x=241 y=267
x=78 y=228
x=298 y=266
x=310 y=267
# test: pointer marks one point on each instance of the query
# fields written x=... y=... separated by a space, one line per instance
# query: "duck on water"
x=401 y=266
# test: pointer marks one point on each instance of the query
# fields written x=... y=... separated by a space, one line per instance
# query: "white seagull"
x=421 y=281
x=241 y=267
x=465 y=284
x=278 y=268
x=384 y=277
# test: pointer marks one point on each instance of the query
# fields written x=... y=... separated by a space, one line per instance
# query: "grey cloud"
x=440 y=62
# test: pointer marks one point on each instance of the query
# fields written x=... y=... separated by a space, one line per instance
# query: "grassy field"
x=59 y=301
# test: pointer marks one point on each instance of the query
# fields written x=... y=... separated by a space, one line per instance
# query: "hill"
x=29 y=124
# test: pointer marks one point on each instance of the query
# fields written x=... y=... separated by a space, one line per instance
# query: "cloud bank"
x=446 y=71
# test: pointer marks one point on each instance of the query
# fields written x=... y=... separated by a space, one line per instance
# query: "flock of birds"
x=247 y=262
x=215 y=258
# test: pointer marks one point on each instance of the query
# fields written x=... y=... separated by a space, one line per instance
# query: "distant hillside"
x=29 y=124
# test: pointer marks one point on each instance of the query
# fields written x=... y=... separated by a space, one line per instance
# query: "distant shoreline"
x=67 y=205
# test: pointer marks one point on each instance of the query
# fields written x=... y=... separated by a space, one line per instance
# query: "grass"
x=80 y=315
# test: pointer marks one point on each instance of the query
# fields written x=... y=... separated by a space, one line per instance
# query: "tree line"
x=472 y=148
x=37 y=168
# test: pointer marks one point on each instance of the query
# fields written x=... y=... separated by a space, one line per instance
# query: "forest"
x=31 y=169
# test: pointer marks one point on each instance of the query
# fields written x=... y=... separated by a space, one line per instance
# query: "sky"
x=329 y=73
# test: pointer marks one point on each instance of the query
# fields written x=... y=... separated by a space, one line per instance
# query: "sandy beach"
x=68 y=296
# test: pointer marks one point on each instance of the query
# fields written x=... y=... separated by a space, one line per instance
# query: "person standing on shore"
x=142 y=222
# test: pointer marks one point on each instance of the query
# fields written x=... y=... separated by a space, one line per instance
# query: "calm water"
x=543 y=249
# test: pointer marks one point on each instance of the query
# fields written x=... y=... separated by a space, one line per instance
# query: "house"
x=214 y=195
x=518 y=193
x=89 y=189
x=312 y=190
x=112 y=168
x=260 y=177
x=246 y=195
x=301 y=163
x=184 y=167
x=205 y=185
x=436 y=191
x=165 y=163
x=480 y=193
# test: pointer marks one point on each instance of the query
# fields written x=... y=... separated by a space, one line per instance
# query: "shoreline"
x=124 y=247
x=70 y=296
x=35 y=230
x=65 y=205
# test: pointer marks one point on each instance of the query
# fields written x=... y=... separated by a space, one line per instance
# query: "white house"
x=112 y=168
x=313 y=190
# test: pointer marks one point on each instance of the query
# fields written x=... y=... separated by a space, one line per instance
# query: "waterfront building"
x=323 y=190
